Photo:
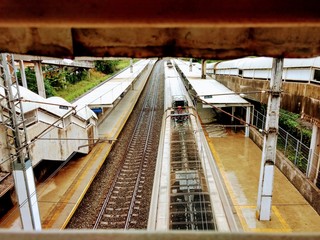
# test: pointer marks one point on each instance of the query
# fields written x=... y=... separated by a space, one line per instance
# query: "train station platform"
x=212 y=94
x=60 y=195
x=238 y=159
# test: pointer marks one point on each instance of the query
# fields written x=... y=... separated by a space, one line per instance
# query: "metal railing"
x=297 y=152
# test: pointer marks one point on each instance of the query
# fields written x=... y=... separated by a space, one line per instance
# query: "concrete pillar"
x=23 y=74
x=313 y=161
x=39 y=77
x=232 y=113
x=131 y=65
x=27 y=196
x=203 y=69
x=270 y=143
x=247 y=130
x=19 y=149
x=1 y=78
x=190 y=65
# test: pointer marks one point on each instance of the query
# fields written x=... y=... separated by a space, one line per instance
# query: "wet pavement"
x=239 y=160
x=59 y=196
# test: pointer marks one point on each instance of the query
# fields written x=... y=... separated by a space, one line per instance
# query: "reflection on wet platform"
x=239 y=160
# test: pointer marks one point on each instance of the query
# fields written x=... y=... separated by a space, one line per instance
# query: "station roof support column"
x=18 y=144
x=203 y=69
x=39 y=77
x=23 y=74
x=270 y=143
x=314 y=156
x=247 y=130
x=131 y=65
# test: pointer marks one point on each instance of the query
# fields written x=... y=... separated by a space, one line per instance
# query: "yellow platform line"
x=65 y=200
x=96 y=170
x=284 y=226
x=280 y=218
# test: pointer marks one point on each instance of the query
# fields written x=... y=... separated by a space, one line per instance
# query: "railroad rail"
x=122 y=204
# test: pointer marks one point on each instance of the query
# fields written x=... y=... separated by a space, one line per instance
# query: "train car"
x=183 y=162
x=179 y=106
x=169 y=64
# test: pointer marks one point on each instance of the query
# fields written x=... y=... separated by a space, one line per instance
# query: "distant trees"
x=32 y=82
x=57 y=78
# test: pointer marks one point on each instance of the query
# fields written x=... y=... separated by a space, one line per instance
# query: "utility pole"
x=12 y=117
x=270 y=143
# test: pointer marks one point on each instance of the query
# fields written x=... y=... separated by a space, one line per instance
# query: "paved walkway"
x=239 y=160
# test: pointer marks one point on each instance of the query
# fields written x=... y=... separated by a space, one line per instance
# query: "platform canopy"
x=217 y=94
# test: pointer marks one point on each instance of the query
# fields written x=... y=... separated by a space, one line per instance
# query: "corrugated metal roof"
x=59 y=109
x=215 y=93
x=209 y=90
x=247 y=63
x=266 y=63
x=302 y=62
x=109 y=91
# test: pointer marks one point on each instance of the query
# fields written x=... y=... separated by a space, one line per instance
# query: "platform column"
x=270 y=143
x=313 y=160
x=131 y=65
x=27 y=196
x=18 y=145
x=203 y=69
x=39 y=77
x=23 y=74
x=247 y=130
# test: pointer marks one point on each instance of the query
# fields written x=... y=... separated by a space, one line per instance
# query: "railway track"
x=122 y=205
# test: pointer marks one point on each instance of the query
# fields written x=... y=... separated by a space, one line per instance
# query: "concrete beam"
x=212 y=42
x=70 y=63
x=28 y=58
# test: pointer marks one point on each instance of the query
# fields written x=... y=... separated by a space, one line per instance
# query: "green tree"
x=107 y=67
x=32 y=82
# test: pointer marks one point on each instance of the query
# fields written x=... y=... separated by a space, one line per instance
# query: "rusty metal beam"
x=160 y=13
x=195 y=28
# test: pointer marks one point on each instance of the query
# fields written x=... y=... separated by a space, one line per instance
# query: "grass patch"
x=123 y=64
